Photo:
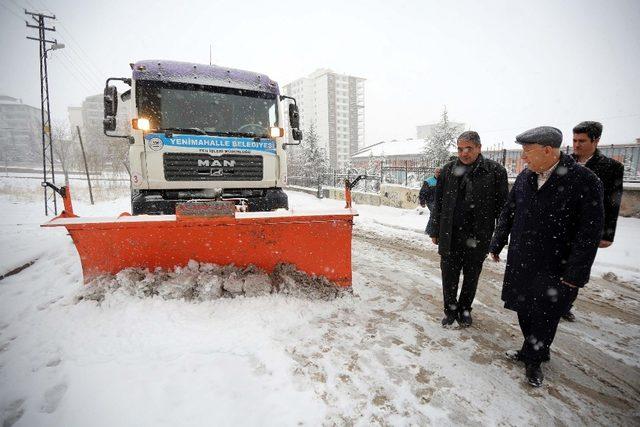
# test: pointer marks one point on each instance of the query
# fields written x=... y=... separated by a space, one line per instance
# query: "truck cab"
x=201 y=132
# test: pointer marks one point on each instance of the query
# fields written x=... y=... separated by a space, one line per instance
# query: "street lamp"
x=56 y=46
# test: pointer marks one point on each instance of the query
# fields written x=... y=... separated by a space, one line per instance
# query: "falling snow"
x=169 y=348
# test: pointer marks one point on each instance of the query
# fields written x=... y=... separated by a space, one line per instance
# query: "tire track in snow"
x=18 y=269
x=581 y=373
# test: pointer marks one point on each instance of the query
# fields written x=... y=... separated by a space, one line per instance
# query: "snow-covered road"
x=377 y=357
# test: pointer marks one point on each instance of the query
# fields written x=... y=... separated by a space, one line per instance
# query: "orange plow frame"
x=317 y=243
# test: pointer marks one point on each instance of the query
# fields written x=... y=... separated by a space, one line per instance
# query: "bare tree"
x=64 y=149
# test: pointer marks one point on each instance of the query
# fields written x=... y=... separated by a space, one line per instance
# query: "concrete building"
x=392 y=153
x=20 y=132
x=75 y=118
x=334 y=104
x=90 y=115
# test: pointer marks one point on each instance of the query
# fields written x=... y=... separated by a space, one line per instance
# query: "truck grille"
x=206 y=167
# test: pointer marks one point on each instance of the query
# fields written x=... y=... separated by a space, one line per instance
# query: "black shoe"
x=534 y=374
x=569 y=316
x=464 y=319
x=448 y=319
x=514 y=355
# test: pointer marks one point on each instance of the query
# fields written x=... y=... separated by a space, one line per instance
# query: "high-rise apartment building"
x=334 y=104
x=89 y=118
x=75 y=118
x=20 y=131
x=93 y=114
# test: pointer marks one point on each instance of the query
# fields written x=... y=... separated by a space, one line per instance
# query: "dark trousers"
x=570 y=306
x=429 y=229
x=468 y=261
x=539 y=323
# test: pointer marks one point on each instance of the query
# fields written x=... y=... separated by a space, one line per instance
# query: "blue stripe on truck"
x=213 y=142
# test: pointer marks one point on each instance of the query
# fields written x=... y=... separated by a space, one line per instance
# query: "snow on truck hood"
x=210 y=75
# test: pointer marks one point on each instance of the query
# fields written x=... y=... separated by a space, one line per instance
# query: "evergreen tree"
x=294 y=160
x=437 y=146
x=373 y=165
x=315 y=163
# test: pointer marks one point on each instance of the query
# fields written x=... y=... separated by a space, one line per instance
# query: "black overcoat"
x=611 y=173
x=489 y=189
x=555 y=231
x=427 y=194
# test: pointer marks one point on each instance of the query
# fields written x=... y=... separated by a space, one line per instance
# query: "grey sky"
x=499 y=66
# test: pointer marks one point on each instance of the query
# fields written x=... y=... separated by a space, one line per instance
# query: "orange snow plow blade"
x=317 y=243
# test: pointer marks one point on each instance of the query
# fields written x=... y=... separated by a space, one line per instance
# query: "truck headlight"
x=277 y=132
x=141 y=124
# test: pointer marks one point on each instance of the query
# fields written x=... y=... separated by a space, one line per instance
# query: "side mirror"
x=294 y=122
x=109 y=124
x=294 y=116
x=110 y=108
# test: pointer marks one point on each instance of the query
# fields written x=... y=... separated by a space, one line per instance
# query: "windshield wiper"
x=191 y=130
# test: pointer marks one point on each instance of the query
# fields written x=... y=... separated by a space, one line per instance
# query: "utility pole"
x=86 y=168
x=48 y=172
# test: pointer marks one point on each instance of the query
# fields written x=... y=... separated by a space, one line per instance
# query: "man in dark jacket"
x=554 y=215
x=427 y=196
x=586 y=136
x=469 y=197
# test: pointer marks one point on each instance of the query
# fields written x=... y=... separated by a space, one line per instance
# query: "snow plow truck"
x=207 y=153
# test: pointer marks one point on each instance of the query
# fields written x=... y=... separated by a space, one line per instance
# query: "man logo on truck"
x=216 y=163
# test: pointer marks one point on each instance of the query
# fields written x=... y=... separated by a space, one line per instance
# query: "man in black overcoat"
x=554 y=217
x=470 y=194
x=586 y=136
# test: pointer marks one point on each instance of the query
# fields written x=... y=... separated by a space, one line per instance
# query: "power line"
x=70 y=70
x=11 y=11
x=78 y=72
x=84 y=61
x=88 y=63
x=42 y=7
x=76 y=66
x=94 y=75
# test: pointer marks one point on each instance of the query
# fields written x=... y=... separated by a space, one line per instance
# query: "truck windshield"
x=202 y=109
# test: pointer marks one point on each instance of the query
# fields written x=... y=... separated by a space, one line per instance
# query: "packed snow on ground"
x=74 y=355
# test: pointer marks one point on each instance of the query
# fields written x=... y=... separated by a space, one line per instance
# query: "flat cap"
x=543 y=135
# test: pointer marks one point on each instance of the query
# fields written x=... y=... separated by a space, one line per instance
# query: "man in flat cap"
x=470 y=194
x=586 y=136
x=554 y=216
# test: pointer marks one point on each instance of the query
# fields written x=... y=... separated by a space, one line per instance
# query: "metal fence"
x=628 y=155
x=411 y=173
x=370 y=183
x=408 y=174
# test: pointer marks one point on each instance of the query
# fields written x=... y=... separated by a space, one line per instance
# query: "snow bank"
x=204 y=282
